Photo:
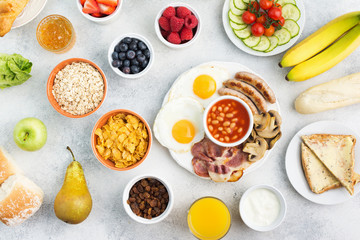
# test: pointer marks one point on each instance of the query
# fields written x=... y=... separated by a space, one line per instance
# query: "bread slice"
x=336 y=152
x=319 y=178
x=7 y=166
x=20 y=198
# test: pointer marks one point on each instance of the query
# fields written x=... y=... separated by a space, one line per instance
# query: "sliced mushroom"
x=275 y=114
x=261 y=121
x=273 y=128
x=256 y=149
x=272 y=141
x=252 y=136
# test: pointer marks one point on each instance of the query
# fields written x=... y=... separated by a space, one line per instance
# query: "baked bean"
x=223 y=132
x=226 y=109
x=213 y=115
x=221 y=139
x=211 y=127
x=220 y=128
x=240 y=130
x=234 y=120
x=216 y=136
x=208 y=120
x=213 y=109
x=228 y=130
x=232 y=125
x=215 y=122
x=222 y=114
x=234 y=137
x=227 y=123
x=227 y=138
x=220 y=119
x=220 y=109
x=229 y=115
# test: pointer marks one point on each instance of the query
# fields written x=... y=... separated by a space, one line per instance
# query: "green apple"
x=30 y=134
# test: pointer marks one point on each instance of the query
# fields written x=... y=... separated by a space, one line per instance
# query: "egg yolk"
x=183 y=131
x=204 y=86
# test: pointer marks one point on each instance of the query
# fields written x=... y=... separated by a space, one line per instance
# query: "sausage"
x=249 y=91
x=258 y=83
x=227 y=91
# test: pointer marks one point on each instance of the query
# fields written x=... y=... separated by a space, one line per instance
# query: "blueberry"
x=144 y=64
x=122 y=56
x=126 y=70
x=130 y=54
x=141 y=58
x=138 y=52
x=117 y=48
x=147 y=53
x=142 y=46
x=123 y=47
x=135 y=62
x=126 y=63
x=126 y=40
x=116 y=63
x=135 y=69
x=115 y=56
x=133 y=46
x=135 y=40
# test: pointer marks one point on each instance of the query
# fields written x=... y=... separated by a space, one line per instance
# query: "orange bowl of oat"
x=121 y=140
x=76 y=87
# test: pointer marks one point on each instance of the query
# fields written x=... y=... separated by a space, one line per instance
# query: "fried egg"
x=200 y=83
x=178 y=125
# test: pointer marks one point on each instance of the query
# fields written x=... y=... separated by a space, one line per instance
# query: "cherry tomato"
x=257 y=29
x=281 y=21
x=248 y=17
x=269 y=31
x=266 y=4
x=278 y=6
x=261 y=19
x=274 y=13
x=254 y=5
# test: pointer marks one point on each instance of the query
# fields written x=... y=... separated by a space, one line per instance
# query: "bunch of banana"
x=323 y=49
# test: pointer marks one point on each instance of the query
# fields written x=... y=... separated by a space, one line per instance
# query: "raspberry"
x=182 y=12
x=164 y=33
x=164 y=23
x=174 y=38
x=169 y=12
x=186 y=34
x=191 y=21
x=176 y=24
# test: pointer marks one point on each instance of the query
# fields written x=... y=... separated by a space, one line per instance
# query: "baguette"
x=330 y=95
x=7 y=166
x=20 y=198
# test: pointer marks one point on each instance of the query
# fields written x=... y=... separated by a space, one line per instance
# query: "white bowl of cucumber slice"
x=240 y=33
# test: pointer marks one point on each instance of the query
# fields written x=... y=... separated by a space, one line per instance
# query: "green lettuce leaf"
x=14 y=70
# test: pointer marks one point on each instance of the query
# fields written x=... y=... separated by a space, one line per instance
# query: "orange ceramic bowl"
x=101 y=122
x=50 y=84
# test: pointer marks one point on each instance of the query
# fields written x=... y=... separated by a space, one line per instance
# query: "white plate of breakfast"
x=321 y=162
x=286 y=32
x=31 y=10
x=181 y=125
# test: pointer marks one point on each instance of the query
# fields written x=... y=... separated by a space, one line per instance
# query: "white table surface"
x=108 y=220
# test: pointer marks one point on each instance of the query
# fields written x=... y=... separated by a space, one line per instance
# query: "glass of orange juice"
x=209 y=218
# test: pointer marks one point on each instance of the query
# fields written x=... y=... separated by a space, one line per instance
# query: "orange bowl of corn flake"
x=121 y=140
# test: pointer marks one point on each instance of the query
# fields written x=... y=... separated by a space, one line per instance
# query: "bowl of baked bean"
x=228 y=121
x=148 y=199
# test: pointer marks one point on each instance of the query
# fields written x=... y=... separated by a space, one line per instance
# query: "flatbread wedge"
x=336 y=152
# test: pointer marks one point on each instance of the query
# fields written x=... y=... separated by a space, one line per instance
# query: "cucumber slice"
x=235 y=10
x=239 y=4
x=290 y=11
x=246 y=1
x=292 y=26
x=274 y=41
x=236 y=26
x=263 y=45
x=245 y=33
x=283 y=2
x=251 y=41
x=235 y=18
x=283 y=35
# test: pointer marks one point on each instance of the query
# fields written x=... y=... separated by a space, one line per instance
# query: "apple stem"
x=68 y=148
x=26 y=135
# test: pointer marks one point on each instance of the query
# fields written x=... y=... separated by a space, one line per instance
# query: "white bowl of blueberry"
x=131 y=55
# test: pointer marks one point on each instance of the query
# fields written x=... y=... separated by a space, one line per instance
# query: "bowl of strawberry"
x=177 y=25
x=100 y=11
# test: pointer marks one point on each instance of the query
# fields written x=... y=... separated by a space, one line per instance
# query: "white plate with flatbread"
x=31 y=11
x=295 y=171
x=184 y=159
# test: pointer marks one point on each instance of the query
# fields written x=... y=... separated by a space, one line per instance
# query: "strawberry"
x=182 y=12
x=176 y=24
x=112 y=3
x=164 y=23
x=174 y=38
x=98 y=15
x=90 y=6
x=169 y=12
x=191 y=21
x=186 y=34
x=105 y=9
x=82 y=2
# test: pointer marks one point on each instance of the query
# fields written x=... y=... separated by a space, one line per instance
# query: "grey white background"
x=108 y=220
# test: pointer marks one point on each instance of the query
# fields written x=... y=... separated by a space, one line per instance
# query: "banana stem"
x=68 y=148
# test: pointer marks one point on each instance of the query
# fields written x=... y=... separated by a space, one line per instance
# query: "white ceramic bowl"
x=177 y=46
x=103 y=20
x=251 y=122
x=141 y=219
x=147 y=43
x=278 y=220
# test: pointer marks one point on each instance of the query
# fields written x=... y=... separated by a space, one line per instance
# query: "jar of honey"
x=55 y=33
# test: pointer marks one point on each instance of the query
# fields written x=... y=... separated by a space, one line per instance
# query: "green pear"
x=73 y=203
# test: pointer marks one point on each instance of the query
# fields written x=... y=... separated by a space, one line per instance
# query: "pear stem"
x=68 y=148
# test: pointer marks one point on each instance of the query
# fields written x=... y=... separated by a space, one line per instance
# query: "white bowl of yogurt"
x=262 y=208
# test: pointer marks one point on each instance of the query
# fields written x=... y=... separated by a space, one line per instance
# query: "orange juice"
x=209 y=218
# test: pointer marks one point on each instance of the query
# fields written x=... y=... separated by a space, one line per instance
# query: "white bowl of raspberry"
x=178 y=25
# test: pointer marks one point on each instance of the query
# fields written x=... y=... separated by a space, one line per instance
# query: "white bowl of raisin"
x=148 y=199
